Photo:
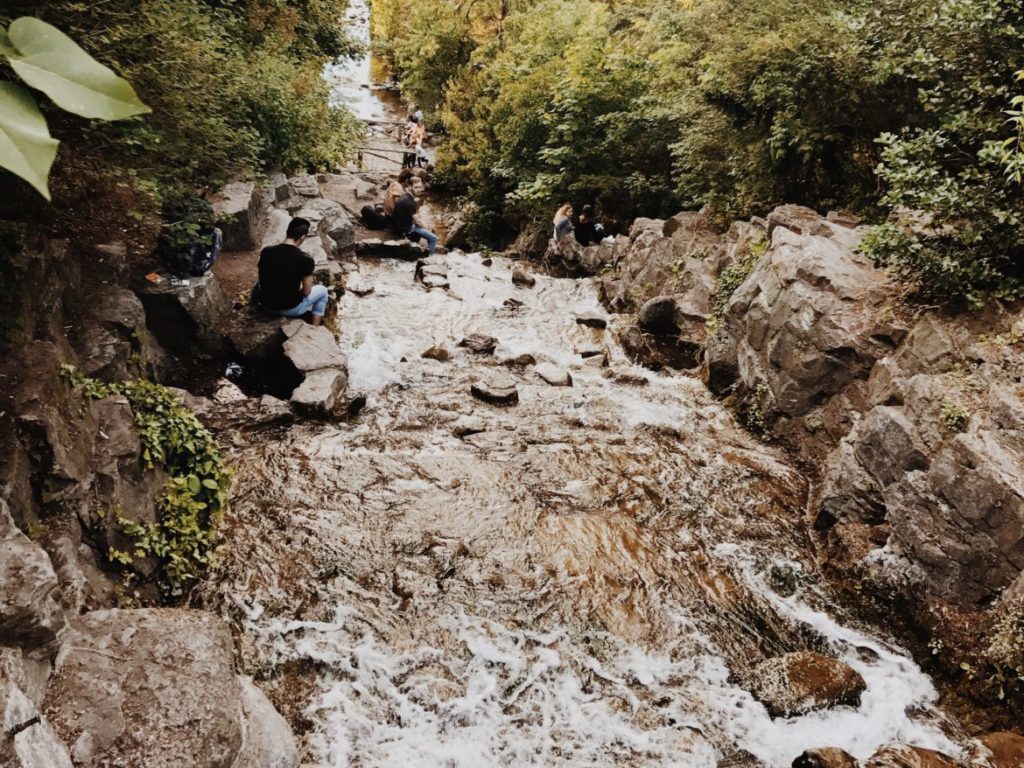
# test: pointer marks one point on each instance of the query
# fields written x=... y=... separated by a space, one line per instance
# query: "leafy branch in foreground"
x=49 y=61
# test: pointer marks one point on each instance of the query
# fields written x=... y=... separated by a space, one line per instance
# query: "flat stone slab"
x=553 y=375
x=405 y=250
x=499 y=392
x=314 y=347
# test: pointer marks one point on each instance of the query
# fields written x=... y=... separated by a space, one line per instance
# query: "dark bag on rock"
x=194 y=259
x=372 y=218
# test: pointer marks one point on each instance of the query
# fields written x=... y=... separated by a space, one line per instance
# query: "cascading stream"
x=583 y=579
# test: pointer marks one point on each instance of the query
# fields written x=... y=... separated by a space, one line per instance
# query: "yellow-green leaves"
x=49 y=61
x=26 y=148
x=52 y=62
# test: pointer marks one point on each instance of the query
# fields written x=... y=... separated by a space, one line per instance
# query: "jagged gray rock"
x=158 y=688
x=237 y=208
x=30 y=612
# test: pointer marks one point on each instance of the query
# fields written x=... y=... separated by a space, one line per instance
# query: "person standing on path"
x=405 y=222
x=286 y=286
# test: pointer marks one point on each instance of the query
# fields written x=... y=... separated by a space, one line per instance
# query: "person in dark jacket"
x=588 y=231
x=286 y=277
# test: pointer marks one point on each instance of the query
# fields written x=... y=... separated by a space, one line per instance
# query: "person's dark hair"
x=405 y=175
x=588 y=211
x=297 y=228
x=414 y=119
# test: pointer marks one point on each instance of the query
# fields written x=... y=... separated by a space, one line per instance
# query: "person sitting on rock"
x=563 y=222
x=286 y=284
x=588 y=231
x=405 y=222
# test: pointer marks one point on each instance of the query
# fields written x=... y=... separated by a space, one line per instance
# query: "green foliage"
x=954 y=416
x=902 y=106
x=49 y=61
x=734 y=274
x=235 y=87
x=186 y=219
x=957 y=229
x=183 y=540
x=1013 y=147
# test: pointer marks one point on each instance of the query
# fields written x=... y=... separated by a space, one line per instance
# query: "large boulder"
x=314 y=352
x=184 y=317
x=237 y=207
x=332 y=225
x=158 y=688
x=30 y=612
x=802 y=682
x=808 y=319
x=111 y=339
x=933 y=470
x=28 y=740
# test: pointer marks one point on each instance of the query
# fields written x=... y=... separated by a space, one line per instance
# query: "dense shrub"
x=235 y=87
x=892 y=106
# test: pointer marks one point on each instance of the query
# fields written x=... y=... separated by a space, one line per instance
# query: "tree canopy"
x=647 y=107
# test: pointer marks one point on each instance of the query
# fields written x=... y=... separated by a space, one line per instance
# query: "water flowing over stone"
x=585 y=579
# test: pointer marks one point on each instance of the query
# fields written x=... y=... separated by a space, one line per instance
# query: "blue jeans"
x=316 y=303
x=417 y=232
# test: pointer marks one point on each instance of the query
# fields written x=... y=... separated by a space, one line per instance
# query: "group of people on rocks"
x=286 y=287
x=586 y=230
x=413 y=136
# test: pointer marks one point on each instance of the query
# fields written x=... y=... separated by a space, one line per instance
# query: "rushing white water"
x=578 y=580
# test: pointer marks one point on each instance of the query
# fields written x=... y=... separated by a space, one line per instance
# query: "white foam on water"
x=505 y=698
x=375 y=363
x=897 y=705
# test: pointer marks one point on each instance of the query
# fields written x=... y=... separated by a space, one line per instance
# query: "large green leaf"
x=26 y=148
x=6 y=46
x=52 y=62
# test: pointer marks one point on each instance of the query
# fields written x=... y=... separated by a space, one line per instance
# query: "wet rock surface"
x=802 y=682
x=157 y=688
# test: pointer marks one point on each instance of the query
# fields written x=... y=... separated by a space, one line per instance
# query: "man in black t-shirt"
x=406 y=224
x=286 y=277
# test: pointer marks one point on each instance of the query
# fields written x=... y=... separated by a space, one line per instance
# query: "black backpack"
x=189 y=242
x=372 y=218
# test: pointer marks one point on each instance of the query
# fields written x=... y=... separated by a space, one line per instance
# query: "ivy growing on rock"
x=184 y=538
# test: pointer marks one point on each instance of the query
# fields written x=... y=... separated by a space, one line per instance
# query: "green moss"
x=184 y=538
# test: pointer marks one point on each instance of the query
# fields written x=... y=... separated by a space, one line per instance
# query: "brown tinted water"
x=583 y=579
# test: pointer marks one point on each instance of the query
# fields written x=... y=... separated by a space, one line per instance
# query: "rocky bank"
x=908 y=421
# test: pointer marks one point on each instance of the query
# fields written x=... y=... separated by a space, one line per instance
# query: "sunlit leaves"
x=26 y=148
x=50 y=61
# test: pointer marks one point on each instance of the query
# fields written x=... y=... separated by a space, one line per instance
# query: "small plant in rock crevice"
x=754 y=411
x=1006 y=651
x=954 y=416
x=734 y=275
x=184 y=538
